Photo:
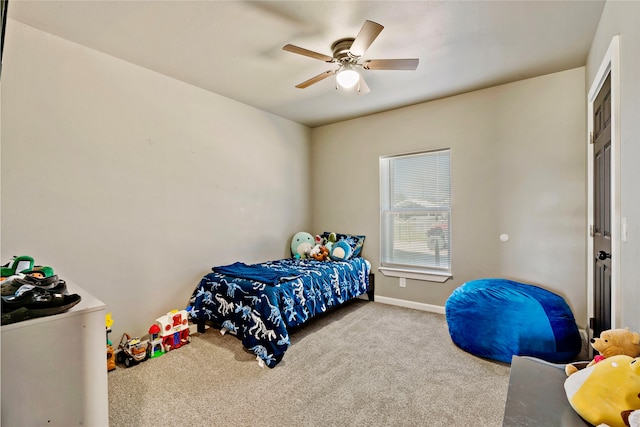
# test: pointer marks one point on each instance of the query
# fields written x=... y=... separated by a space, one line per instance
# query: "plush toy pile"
x=606 y=392
x=326 y=246
x=610 y=343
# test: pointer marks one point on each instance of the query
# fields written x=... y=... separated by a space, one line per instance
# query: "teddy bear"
x=611 y=342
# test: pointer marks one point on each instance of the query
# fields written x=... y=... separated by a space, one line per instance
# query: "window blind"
x=415 y=210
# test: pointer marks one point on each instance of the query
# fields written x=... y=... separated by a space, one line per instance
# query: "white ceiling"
x=234 y=48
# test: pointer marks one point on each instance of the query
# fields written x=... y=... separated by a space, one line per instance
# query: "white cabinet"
x=54 y=368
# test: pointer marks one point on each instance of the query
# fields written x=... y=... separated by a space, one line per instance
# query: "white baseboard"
x=410 y=304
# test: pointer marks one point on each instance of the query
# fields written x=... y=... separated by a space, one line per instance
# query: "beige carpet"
x=365 y=364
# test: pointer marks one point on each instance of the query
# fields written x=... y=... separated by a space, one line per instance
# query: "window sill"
x=428 y=276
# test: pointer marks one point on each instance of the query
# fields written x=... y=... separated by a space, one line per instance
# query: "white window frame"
x=426 y=273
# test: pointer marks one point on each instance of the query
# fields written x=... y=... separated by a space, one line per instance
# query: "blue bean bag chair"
x=498 y=318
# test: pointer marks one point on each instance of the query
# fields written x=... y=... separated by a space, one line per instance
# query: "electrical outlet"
x=403 y=282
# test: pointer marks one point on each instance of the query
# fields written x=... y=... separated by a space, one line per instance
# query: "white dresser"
x=54 y=370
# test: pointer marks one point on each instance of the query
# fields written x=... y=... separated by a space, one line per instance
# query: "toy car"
x=132 y=350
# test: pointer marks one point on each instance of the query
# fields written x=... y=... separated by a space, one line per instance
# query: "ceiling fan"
x=347 y=53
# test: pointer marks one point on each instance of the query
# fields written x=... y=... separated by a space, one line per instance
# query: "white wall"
x=623 y=19
x=133 y=184
x=518 y=167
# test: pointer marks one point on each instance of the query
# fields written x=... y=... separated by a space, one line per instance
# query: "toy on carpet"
x=111 y=360
x=155 y=342
x=172 y=331
x=611 y=342
x=499 y=318
x=301 y=244
x=132 y=350
x=608 y=392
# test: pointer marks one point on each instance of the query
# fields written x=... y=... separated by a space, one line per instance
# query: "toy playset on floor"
x=169 y=332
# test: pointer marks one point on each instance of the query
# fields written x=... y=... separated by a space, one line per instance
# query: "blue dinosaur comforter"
x=260 y=309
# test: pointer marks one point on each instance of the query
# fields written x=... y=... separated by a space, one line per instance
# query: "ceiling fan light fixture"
x=347 y=77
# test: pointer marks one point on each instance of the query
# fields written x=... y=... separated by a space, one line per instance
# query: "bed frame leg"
x=200 y=324
x=372 y=286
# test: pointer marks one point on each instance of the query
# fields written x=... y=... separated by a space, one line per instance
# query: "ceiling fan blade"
x=390 y=64
x=307 y=52
x=315 y=79
x=365 y=37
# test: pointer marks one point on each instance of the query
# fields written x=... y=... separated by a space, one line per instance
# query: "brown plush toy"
x=612 y=342
x=322 y=254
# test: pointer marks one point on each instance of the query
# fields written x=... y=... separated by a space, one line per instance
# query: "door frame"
x=610 y=64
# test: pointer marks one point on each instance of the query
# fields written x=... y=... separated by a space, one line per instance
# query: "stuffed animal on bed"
x=317 y=243
x=611 y=342
x=322 y=254
x=340 y=251
x=330 y=240
x=301 y=244
x=606 y=393
x=319 y=252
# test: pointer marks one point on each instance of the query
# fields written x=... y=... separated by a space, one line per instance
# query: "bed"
x=260 y=303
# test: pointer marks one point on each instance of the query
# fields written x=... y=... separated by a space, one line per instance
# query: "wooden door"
x=602 y=209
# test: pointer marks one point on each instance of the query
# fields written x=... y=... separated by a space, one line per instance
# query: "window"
x=415 y=215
